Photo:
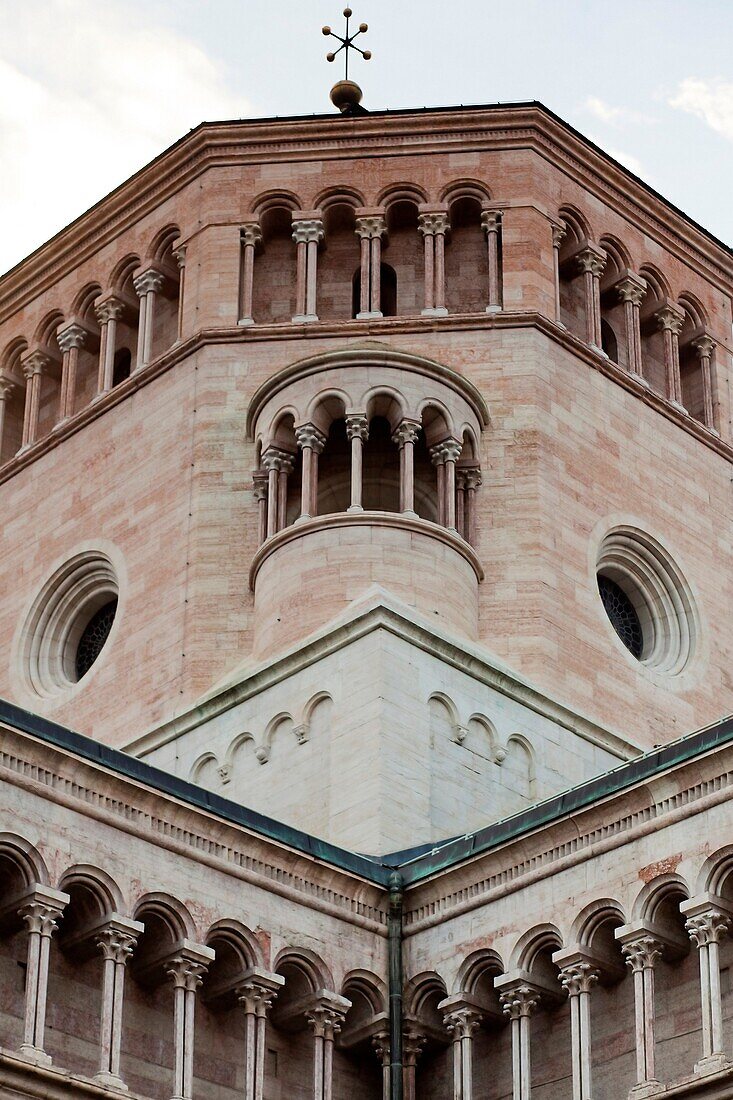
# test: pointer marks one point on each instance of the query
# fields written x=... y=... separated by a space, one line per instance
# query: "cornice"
x=492 y=128
x=354 y=329
x=185 y=829
x=606 y=825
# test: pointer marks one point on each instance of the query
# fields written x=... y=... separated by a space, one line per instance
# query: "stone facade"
x=367 y=482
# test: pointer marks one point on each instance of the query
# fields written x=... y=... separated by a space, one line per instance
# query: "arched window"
x=404 y=248
x=466 y=259
x=122 y=366
x=339 y=252
x=274 y=280
x=573 y=305
x=609 y=343
x=381 y=476
x=388 y=290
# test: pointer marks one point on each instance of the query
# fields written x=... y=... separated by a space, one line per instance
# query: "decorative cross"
x=347 y=43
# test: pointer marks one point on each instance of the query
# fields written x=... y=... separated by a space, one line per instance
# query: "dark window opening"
x=122 y=365
x=387 y=291
x=93 y=637
x=622 y=615
x=609 y=342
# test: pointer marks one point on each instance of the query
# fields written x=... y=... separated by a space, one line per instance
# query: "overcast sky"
x=90 y=90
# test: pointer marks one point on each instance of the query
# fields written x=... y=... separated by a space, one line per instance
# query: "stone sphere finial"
x=346 y=95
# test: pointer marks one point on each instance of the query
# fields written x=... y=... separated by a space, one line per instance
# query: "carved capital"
x=708 y=927
x=468 y=477
x=109 y=309
x=357 y=427
x=520 y=1001
x=632 y=289
x=308 y=229
x=703 y=346
x=463 y=1023
x=224 y=771
x=670 y=319
x=382 y=1049
x=116 y=944
x=257 y=995
x=302 y=733
x=370 y=226
x=308 y=435
x=8 y=385
x=259 y=484
x=276 y=459
x=413 y=1042
x=186 y=973
x=431 y=225
x=37 y=362
x=448 y=450
x=41 y=917
x=251 y=234
x=642 y=953
x=559 y=233
x=407 y=431
x=150 y=281
x=179 y=254
x=72 y=336
x=579 y=977
x=491 y=220
x=592 y=259
x=325 y=1020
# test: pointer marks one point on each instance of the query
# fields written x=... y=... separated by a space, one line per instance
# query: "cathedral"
x=366 y=649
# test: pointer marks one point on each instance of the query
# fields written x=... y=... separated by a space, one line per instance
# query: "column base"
x=246 y=321
x=680 y=408
x=35 y=1055
x=110 y=1081
x=493 y=309
x=302 y=519
x=304 y=318
x=99 y=396
x=434 y=311
x=59 y=424
x=369 y=315
x=410 y=514
x=640 y=379
x=713 y=1063
x=355 y=508
x=600 y=351
x=644 y=1089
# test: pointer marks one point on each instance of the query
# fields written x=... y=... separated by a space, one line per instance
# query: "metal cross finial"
x=347 y=43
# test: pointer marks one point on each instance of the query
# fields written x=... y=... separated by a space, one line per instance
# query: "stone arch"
x=614 y=338
x=11 y=369
x=529 y=946
x=172 y=917
x=573 y=305
x=479 y=724
x=338 y=259
x=21 y=862
x=83 y=303
x=402 y=248
x=274 y=726
x=369 y=987
x=520 y=763
x=337 y=195
x=465 y=188
x=576 y=224
x=592 y=919
x=437 y=423
x=421 y=991
x=45 y=334
x=692 y=383
x=652 y=340
x=162 y=243
x=327 y=406
x=99 y=886
x=306 y=967
x=618 y=256
x=476 y=968
x=270 y=200
x=656 y=893
x=716 y=873
x=202 y=770
x=232 y=753
x=122 y=274
x=447 y=704
x=401 y=192
x=694 y=308
x=233 y=939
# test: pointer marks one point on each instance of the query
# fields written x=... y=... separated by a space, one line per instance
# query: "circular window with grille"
x=646 y=600
x=69 y=623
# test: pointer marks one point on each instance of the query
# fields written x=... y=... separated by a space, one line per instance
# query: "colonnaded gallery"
x=365 y=635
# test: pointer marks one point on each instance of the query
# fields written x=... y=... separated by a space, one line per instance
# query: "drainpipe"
x=394 y=947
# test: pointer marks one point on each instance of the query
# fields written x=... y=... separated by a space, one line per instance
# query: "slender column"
x=70 y=340
x=462 y=1023
x=472 y=478
x=147 y=285
x=703 y=347
x=260 y=479
x=406 y=437
x=311 y=442
x=41 y=910
x=670 y=321
x=116 y=940
x=370 y=229
x=307 y=233
x=180 y=258
x=412 y=1045
x=187 y=972
x=631 y=290
x=491 y=221
x=270 y=462
x=357 y=430
x=558 y=235
x=706 y=926
x=452 y=452
x=34 y=367
x=326 y=1022
x=256 y=995
x=461 y=502
x=642 y=952
x=591 y=262
x=518 y=1004
x=433 y=227
x=381 y=1046
x=108 y=313
x=8 y=386
x=284 y=469
x=578 y=978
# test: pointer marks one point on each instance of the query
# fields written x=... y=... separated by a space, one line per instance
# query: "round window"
x=646 y=599
x=69 y=623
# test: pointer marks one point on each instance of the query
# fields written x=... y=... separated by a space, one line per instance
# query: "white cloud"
x=710 y=100
x=616 y=116
x=87 y=96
